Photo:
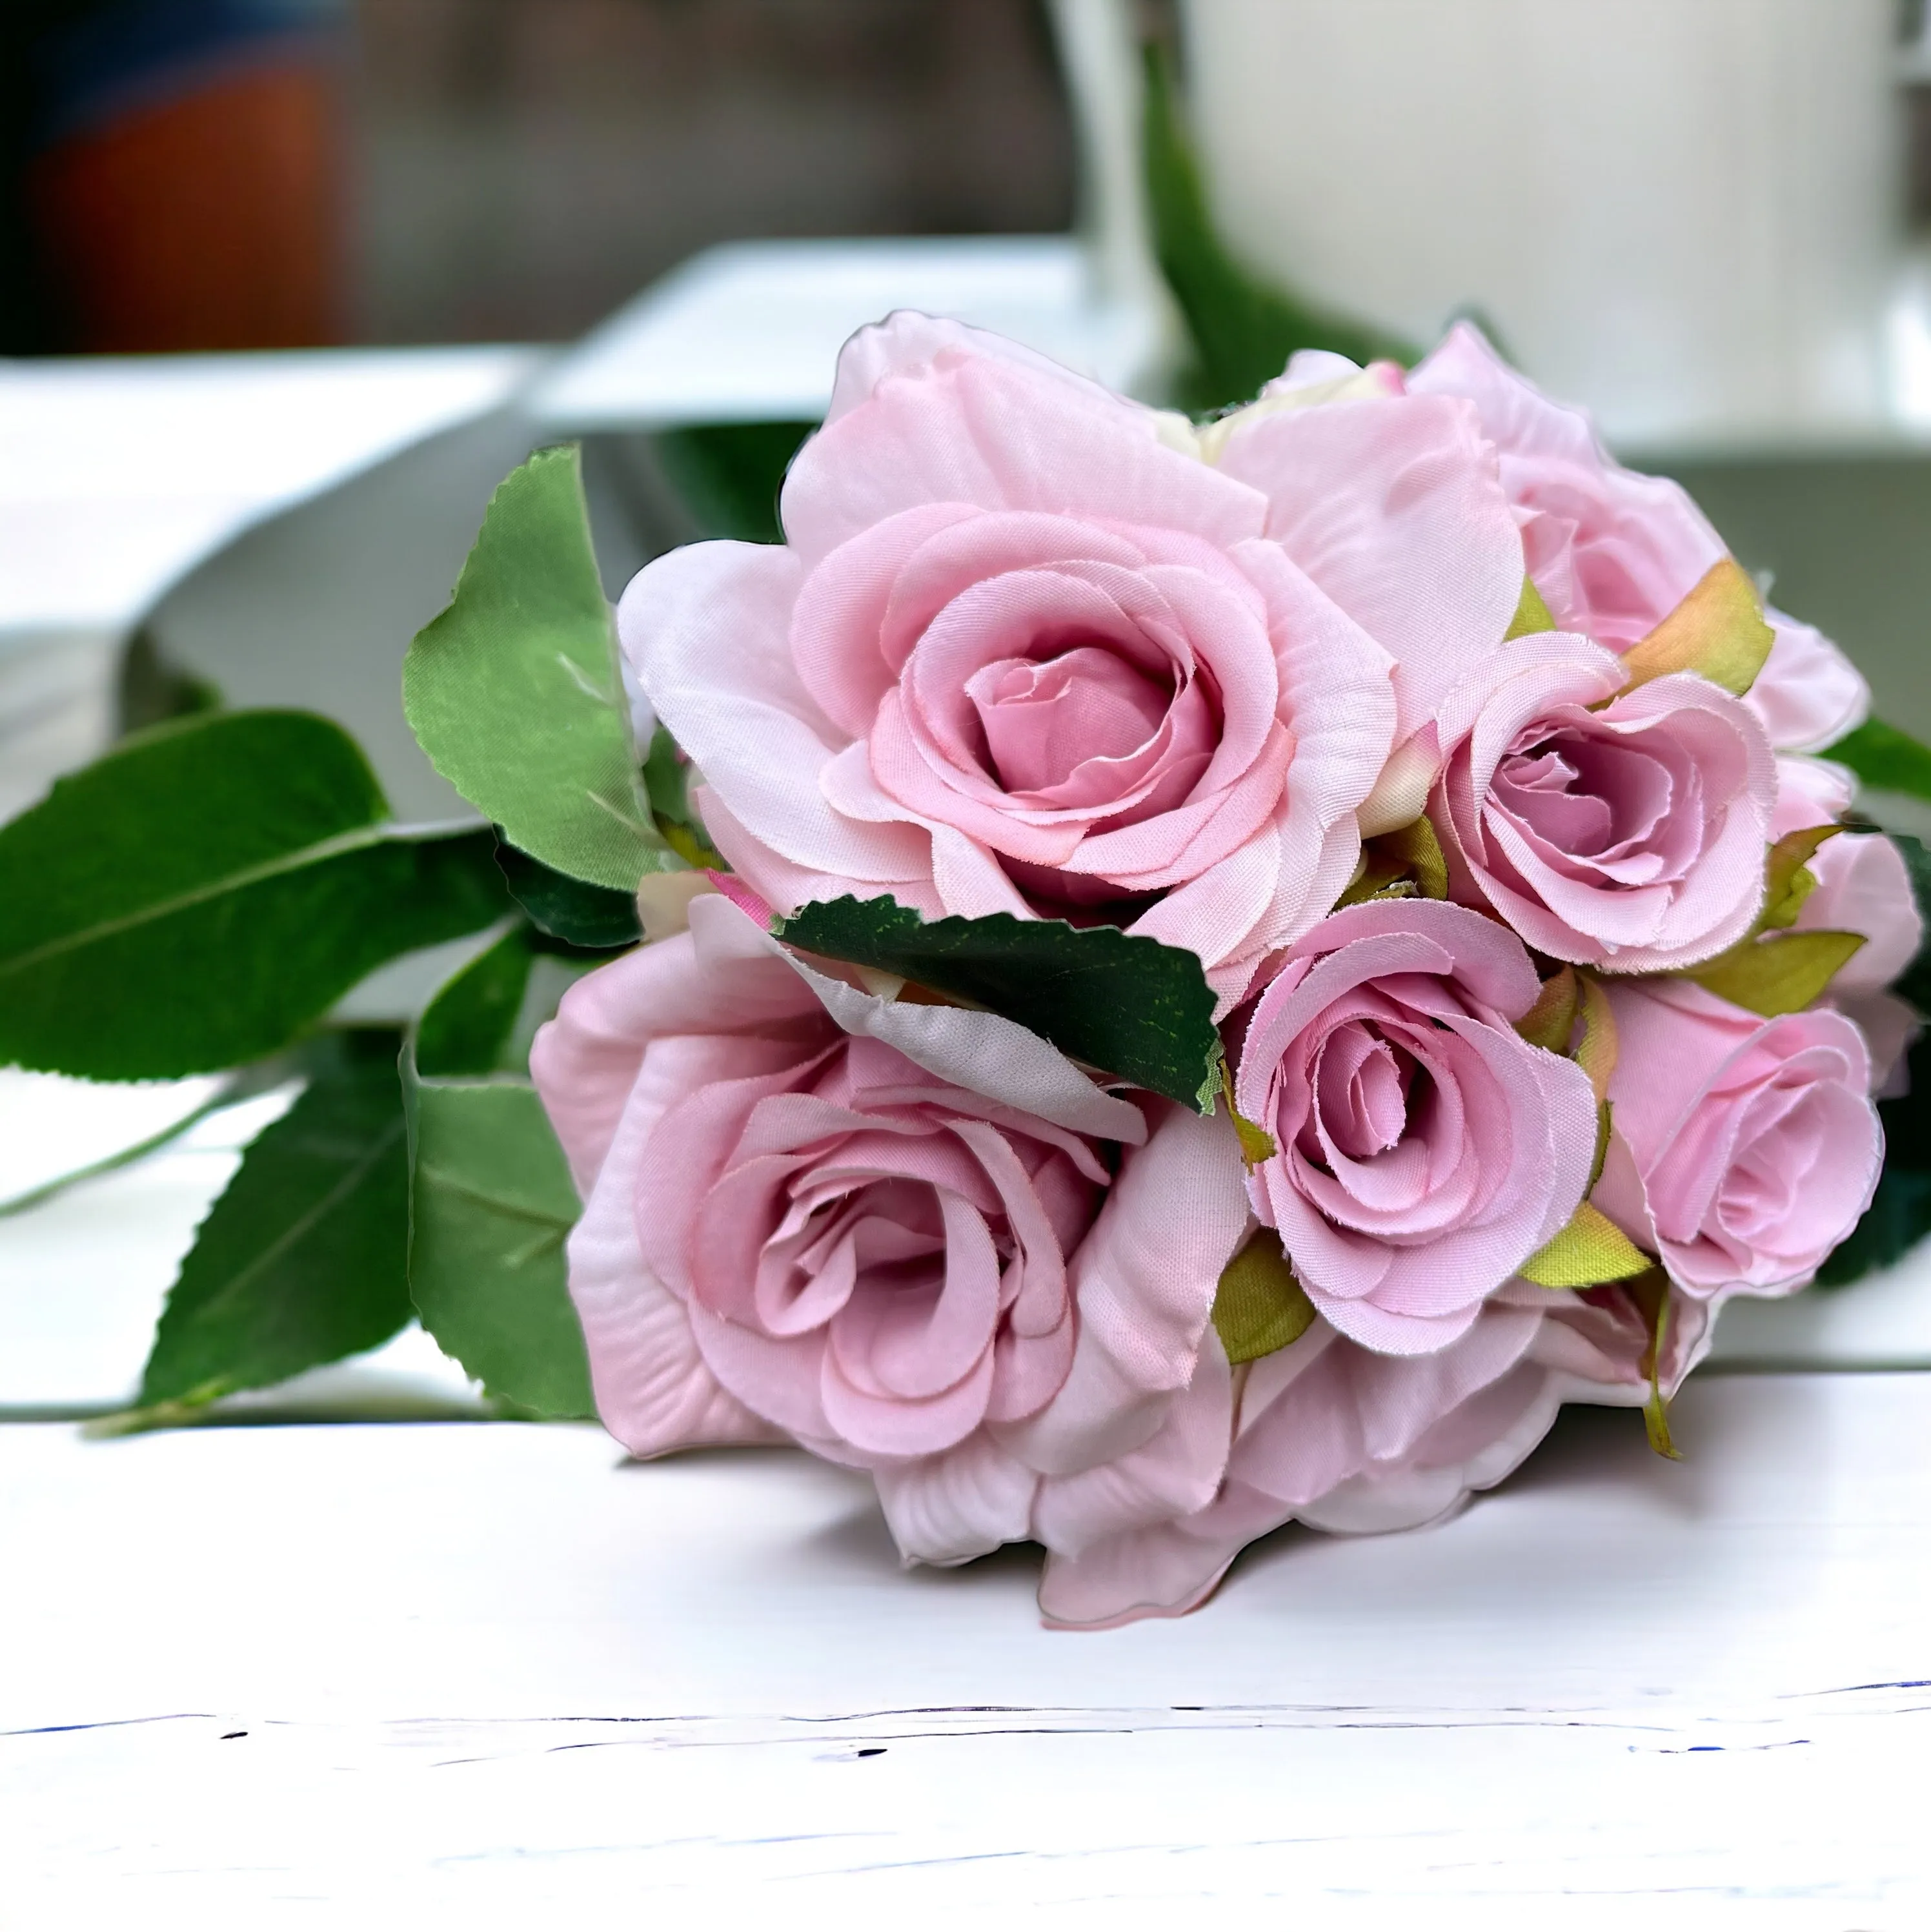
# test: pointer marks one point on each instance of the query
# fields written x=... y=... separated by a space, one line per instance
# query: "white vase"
x=1683 y=213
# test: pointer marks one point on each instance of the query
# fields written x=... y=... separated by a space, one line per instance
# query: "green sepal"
x=514 y=694
x=1532 y=615
x=1260 y=1307
x=1787 y=879
x=1128 y=1005
x=1257 y=1145
x=1782 y=972
x=1650 y=1293
x=204 y=893
x=1590 y=1250
x=1718 y=631
x=303 y=1259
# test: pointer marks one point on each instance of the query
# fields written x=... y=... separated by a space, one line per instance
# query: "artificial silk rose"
x=1744 y=1149
x=1332 y=1434
x=1019 y=653
x=1423 y=1150
x=1610 y=827
x=1613 y=552
x=914 y=1238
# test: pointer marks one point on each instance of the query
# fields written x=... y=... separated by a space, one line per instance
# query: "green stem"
x=226 y=1096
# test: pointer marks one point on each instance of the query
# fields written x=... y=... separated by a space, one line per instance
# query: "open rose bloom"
x=1477 y=791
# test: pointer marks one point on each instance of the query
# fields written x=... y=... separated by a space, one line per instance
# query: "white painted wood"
x=495 y=1671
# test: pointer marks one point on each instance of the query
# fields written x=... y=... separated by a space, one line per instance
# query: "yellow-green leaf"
x=1596 y=1051
x=1781 y=974
x=1590 y=1250
x=1552 y=1020
x=1259 y=1307
x=1405 y=862
x=1257 y=1145
x=1531 y=616
x=1718 y=631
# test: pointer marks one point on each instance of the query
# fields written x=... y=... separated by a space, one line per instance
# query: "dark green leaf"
x=1243 y=331
x=1129 y=1006
x=1883 y=756
x=302 y=1260
x=491 y=1201
x=206 y=890
x=729 y=474
x=1913 y=983
x=514 y=691
x=1899 y=1215
x=567 y=908
x=466 y=1026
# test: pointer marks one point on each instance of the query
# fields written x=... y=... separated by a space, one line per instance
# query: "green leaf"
x=514 y=691
x=491 y=1201
x=729 y=474
x=207 y=891
x=302 y=1259
x=1899 y=1216
x=1883 y=756
x=466 y=1026
x=1913 y=983
x=1129 y=1006
x=567 y=908
x=1243 y=331
x=1260 y=1307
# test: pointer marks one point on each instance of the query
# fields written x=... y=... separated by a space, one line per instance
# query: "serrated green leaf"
x=1260 y=1307
x=1883 y=756
x=1243 y=331
x=302 y=1260
x=491 y=1203
x=206 y=891
x=514 y=694
x=1129 y=1006
x=569 y=909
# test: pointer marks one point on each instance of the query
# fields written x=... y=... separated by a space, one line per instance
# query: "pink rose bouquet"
x=1241 y=965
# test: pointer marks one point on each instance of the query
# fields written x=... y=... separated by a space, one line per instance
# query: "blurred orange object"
x=208 y=221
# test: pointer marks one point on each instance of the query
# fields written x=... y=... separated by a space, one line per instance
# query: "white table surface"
x=475 y=1672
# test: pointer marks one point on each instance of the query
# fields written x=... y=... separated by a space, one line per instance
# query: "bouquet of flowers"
x=1134 y=979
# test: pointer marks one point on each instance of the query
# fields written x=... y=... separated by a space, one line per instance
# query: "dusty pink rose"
x=1029 y=647
x=913 y=1238
x=1423 y=1149
x=1744 y=1149
x=1613 y=552
x=1615 y=828
x=1333 y=1435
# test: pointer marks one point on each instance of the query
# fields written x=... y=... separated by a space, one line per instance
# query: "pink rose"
x=913 y=1238
x=1614 y=552
x=1423 y=1149
x=1744 y=1149
x=1333 y=1435
x=1625 y=830
x=1025 y=650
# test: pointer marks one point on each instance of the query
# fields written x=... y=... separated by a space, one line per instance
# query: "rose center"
x=1044 y=718
x=1363 y=1093
x=1587 y=797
